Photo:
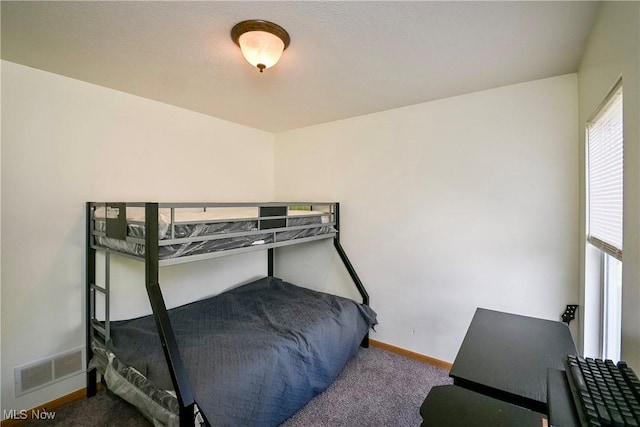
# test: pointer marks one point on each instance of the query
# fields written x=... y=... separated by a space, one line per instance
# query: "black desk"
x=562 y=412
x=507 y=356
x=454 y=406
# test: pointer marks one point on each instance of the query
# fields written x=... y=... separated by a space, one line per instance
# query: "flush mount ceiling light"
x=261 y=42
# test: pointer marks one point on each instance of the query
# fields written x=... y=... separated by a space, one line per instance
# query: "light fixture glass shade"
x=261 y=49
x=261 y=42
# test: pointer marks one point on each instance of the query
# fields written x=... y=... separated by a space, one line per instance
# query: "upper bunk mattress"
x=254 y=355
x=193 y=223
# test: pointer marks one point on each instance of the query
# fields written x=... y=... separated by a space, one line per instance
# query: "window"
x=604 y=215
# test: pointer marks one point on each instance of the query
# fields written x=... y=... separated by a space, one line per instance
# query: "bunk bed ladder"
x=350 y=268
x=96 y=330
x=92 y=376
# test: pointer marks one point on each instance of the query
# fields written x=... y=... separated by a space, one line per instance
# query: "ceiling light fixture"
x=261 y=42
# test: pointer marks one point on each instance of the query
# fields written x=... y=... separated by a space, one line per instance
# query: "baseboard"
x=410 y=354
x=48 y=407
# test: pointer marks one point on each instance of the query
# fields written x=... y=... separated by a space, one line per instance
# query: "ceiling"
x=346 y=58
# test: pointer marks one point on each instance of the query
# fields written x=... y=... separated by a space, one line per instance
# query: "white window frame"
x=603 y=277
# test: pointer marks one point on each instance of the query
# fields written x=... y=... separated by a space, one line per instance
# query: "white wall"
x=65 y=142
x=447 y=206
x=613 y=51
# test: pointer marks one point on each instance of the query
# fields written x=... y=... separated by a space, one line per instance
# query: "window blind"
x=604 y=179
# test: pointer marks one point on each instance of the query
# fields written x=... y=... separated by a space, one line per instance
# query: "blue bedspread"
x=254 y=355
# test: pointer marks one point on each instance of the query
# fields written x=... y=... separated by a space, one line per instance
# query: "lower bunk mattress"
x=254 y=355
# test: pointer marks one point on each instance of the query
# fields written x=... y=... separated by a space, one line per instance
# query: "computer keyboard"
x=605 y=394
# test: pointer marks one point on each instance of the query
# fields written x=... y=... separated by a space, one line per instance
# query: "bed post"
x=270 y=262
x=169 y=345
x=349 y=266
x=92 y=377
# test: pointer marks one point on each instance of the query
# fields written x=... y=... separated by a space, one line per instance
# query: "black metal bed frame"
x=100 y=330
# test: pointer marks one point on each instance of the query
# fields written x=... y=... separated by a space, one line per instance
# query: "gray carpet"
x=376 y=388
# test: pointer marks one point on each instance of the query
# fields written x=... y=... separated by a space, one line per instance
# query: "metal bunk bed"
x=272 y=226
